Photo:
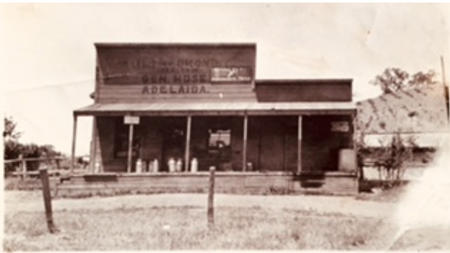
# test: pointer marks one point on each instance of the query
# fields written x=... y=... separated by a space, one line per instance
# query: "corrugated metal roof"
x=217 y=108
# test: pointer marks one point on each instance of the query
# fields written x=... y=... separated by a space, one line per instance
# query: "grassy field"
x=186 y=228
x=121 y=223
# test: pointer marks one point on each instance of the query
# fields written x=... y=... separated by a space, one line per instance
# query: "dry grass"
x=29 y=184
x=390 y=195
x=186 y=229
x=93 y=224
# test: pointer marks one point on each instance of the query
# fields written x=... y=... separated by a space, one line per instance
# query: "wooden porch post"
x=244 y=144
x=299 y=149
x=130 y=148
x=74 y=138
x=93 y=147
x=188 y=143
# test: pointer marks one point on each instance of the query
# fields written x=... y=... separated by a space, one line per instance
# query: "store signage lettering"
x=159 y=68
x=233 y=74
x=170 y=63
x=166 y=70
x=340 y=126
x=131 y=120
x=171 y=78
x=174 y=89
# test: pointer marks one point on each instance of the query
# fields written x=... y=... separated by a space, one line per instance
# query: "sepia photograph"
x=157 y=126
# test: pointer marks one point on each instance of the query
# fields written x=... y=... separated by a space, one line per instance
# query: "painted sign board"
x=234 y=74
x=340 y=126
x=131 y=120
x=176 y=64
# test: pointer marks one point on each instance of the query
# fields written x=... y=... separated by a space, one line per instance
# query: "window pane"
x=219 y=138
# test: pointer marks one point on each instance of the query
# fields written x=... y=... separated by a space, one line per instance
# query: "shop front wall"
x=272 y=143
x=112 y=143
x=104 y=146
x=217 y=141
x=323 y=138
x=164 y=138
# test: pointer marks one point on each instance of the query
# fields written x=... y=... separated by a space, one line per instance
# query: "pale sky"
x=47 y=52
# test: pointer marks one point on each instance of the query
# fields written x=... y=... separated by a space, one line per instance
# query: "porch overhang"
x=217 y=108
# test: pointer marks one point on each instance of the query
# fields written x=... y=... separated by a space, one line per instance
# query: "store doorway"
x=174 y=141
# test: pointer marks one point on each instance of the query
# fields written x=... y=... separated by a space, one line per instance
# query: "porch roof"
x=216 y=108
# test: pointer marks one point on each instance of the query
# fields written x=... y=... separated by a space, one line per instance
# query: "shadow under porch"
x=270 y=143
x=251 y=154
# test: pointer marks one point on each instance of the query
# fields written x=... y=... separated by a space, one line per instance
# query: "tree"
x=395 y=79
x=10 y=130
x=13 y=148
x=10 y=140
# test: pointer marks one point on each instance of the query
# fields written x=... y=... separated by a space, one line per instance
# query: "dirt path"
x=16 y=201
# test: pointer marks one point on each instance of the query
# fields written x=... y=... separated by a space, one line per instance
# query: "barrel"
x=347 y=160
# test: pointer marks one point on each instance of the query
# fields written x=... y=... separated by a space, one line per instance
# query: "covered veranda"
x=249 y=118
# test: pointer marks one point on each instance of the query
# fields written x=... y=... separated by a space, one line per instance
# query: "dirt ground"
x=423 y=238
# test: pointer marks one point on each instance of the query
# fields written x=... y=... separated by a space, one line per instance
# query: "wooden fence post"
x=24 y=167
x=47 y=200
x=212 y=170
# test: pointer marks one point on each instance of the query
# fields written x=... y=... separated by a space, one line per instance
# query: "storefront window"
x=219 y=139
x=219 y=148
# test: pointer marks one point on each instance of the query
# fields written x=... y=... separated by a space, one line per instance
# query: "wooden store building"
x=164 y=114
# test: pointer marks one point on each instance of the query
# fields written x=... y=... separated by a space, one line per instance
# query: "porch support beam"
x=244 y=144
x=93 y=146
x=299 y=147
x=74 y=138
x=188 y=143
x=130 y=147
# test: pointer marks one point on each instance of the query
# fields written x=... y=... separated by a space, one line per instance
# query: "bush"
x=389 y=159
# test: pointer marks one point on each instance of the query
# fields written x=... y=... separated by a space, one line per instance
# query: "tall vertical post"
x=446 y=88
x=210 y=212
x=299 y=147
x=47 y=200
x=92 y=156
x=443 y=71
x=23 y=165
x=130 y=148
x=74 y=138
x=284 y=152
x=188 y=143
x=244 y=144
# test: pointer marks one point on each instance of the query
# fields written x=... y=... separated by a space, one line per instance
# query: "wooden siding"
x=276 y=142
x=320 y=146
x=272 y=143
x=143 y=93
x=161 y=63
x=105 y=146
x=145 y=72
x=304 y=90
x=152 y=140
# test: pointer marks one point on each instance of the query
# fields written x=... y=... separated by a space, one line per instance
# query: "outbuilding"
x=164 y=114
